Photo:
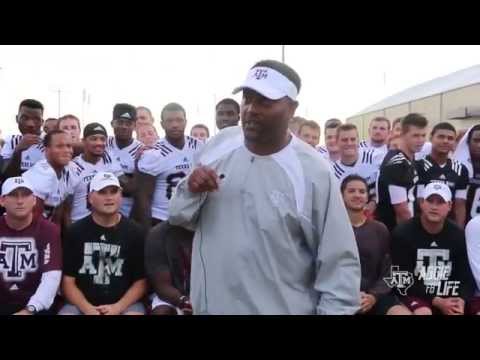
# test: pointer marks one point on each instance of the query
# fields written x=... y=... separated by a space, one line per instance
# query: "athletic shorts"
x=69 y=309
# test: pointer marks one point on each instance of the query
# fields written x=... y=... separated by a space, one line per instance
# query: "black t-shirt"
x=454 y=174
x=473 y=194
x=438 y=262
x=398 y=170
x=169 y=248
x=104 y=261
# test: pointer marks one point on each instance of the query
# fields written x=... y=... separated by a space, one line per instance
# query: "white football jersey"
x=367 y=145
x=47 y=186
x=169 y=165
x=367 y=166
x=126 y=157
x=82 y=173
x=29 y=157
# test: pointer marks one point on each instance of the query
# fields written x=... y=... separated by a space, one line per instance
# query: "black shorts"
x=384 y=303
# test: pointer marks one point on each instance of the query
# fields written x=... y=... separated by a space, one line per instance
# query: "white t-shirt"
x=472 y=237
x=30 y=156
x=82 y=173
x=126 y=157
x=47 y=186
x=169 y=165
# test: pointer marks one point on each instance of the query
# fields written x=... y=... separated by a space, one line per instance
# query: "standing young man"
x=468 y=153
x=438 y=167
x=94 y=159
x=353 y=160
x=373 y=240
x=161 y=168
x=331 y=152
x=125 y=148
x=21 y=152
x=433 y=249
x=30 y=253
x=103 y=257
x=378 y=132
x=267 y=213
x=398 y=175
x=227 y=113
x=309 y=131
x=50 y=177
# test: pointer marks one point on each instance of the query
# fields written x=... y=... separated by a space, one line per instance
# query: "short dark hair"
x=443 y=126
x=413 y=119
x=228 y=101
x=173 y=107
x=283 y=69
x=51 y=119
x=346 y=127
x=69 y=116
x=47 y=140
x=396 y=121
x=310 y=123
x=332 y=123
x=201 y=126
x=349 y=179
x=381 y=119
x=470 y=134
x=32 y=104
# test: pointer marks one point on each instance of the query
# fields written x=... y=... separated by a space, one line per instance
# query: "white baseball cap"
x=269 y=83
x=103 y=179
x=437 y=188
x=14 y=183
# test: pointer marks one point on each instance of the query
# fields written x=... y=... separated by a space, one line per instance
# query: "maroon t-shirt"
x=24 y=256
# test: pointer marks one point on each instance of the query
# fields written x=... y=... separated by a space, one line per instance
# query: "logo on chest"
x=17 y=258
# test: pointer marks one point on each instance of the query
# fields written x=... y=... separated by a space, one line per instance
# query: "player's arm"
x=460 y=212
x=460 y=202
x=337 y=273
x=12 y=166
x=142 y=200
x=399 y=200
x=127 y=184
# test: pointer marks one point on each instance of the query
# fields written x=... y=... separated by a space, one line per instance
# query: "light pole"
x=283 y=53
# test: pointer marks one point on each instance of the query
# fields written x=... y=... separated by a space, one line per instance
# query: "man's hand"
x=367 y=301
x=449 y=306
x=91 y=310
x=113 y=309
x=23 y=312
x=27 y=141
x=203 y=179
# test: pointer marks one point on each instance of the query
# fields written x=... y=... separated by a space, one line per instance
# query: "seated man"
x=30 y=253
x=168 y=253
x=433 y=250
x=373 y=242
x=104 y=267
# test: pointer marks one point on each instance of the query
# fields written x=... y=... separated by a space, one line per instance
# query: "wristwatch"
x=183 y=301
x=32 y=309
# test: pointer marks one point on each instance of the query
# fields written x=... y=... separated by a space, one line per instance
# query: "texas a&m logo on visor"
x=260 y=74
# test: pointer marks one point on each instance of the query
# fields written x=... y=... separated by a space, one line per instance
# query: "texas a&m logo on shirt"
x=18 y=257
